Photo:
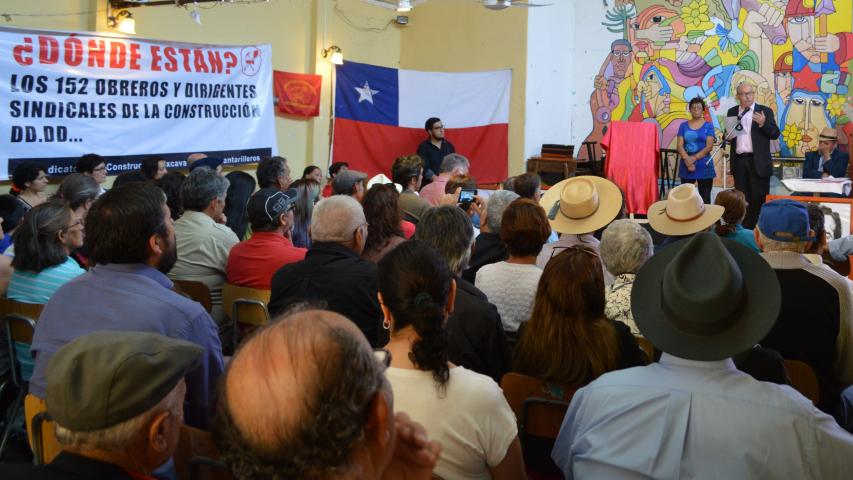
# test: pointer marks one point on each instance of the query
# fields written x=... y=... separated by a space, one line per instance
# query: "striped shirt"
x=32 y=287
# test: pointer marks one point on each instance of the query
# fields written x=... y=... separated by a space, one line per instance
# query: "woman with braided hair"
x=464 y=411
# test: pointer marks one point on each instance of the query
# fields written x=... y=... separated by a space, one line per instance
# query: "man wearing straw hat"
x=827 y=161
x=576 y=208
x=693 y=414
x=682 y=214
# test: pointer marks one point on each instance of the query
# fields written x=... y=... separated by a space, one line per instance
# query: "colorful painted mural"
x=797 y=54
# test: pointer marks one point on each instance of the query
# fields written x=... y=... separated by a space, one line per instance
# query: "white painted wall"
x=550 y=61
x=591 y=45
x=566 y=45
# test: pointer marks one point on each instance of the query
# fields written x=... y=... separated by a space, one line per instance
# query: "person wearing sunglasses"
x=252 y=263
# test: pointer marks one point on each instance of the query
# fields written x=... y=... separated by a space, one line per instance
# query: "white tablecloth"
x=840 y=186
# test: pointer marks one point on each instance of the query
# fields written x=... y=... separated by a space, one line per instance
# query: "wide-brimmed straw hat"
x=683 y=212
x=828 y=134
x=705 y=298
x=581 y=204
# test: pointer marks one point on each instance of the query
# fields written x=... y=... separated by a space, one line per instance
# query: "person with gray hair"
x=475 y=334
x=452 y=165
x=625 y=247
x=488 y=248
x=333 y=271
x=204 y=241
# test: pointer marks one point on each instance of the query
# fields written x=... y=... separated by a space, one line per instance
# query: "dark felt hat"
x=705 y=298
x=104 y=378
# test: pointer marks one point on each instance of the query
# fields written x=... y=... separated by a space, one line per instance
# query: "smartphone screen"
x=466 y=196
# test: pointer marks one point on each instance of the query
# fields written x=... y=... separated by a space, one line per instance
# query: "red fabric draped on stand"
x=633 y=157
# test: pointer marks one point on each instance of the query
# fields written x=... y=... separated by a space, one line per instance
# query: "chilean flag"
x=380 y=114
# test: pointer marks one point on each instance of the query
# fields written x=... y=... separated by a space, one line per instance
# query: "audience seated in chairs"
x=568 y=339
x=203 y=239
x=527 y=185
x=682 y=215
x=488 y=247
x=452 y=165
x=693 y=414
x=333 y=172
x=408 y=171
x=341 y=422
x=153 y=167
x=475 y=335
x=79 y=192
x=117 y=400
x=29 y=181
x=131 y=242
x=576 y=208
x=511 y=284
x=273 y=172
x=333 y=271
x=95 y=166
x=729 y=225
x=171 y=186
x=351 y=183
x=43 y=243
x=815 y=323
x=11 y=216
x=252 y=262
x=241 y=186
x=464 y=411
x=307 y=194
x=382 y=212
x=625 y=247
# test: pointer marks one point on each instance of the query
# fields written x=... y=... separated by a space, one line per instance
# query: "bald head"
x=295 y=396
x=193 y=157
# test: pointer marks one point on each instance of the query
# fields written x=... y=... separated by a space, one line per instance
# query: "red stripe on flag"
x=372 y=147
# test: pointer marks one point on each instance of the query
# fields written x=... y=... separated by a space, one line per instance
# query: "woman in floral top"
x=625 y=247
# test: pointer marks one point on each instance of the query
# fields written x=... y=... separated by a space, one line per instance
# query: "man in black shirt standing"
x=433 y=149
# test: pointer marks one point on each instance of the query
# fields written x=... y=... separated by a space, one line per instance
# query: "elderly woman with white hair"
x=625 y=247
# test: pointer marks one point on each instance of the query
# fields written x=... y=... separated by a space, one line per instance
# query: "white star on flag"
x=365 y=93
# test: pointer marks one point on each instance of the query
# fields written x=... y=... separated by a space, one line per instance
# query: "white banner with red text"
x=67 y=94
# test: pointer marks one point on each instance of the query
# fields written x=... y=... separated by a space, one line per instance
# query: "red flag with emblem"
x=298 y=93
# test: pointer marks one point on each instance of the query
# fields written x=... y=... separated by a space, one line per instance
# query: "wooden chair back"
x=536 y=403
x=44 y=443
x=803 y=379
x=198 y=291
x=647 y=348
x=246 y=307
x=41 y=433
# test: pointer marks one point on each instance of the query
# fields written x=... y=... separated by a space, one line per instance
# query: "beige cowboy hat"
x=683 y=212
x=581 y=204
x=828 y=134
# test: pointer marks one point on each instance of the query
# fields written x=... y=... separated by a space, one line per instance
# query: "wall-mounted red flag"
x=298 y=93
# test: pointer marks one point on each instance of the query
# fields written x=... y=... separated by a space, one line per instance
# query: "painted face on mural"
x=621 y=55
x=806 y=111
x=801 y=32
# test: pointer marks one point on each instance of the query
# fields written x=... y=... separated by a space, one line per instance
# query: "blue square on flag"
x=367 y=93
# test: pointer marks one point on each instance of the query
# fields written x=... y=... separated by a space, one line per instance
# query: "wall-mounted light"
x=123 y=22
x=333 y=54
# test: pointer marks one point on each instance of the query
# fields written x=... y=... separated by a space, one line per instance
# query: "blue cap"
x=785 y=220
x=210 y=162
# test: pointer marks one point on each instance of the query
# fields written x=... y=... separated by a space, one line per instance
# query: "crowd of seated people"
x=396 y=315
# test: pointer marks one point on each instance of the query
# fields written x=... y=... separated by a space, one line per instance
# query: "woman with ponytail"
x=568 y=339
x=28 y=183
x=729 y=225
x=465 y=411
x=50 y=232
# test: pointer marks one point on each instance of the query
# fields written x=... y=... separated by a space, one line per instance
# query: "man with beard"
x=434 y=149
x=131 y=242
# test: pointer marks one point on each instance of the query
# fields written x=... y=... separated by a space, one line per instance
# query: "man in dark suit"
x=827 y=160
x=750 y=152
